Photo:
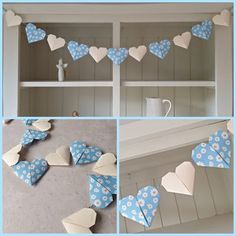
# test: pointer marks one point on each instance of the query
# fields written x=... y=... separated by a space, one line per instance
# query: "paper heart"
x=12 y=19
x=203 y=30
x=12 y=156
x=82 y=154
x=97 y=53
x=106 y=165
x=31 y=172
x=117 y=55
x=80 y=222
x=76 y=50
x=141 y=208
x=101 y=189
x=223 y=18
x=54 y=42
x=33 y=33
x=60 y=158
x=160 y=49
x=182 y=40
x=138 y=53
x=30 y=135
x=215 y=153
x=181 y=181
x=42 y=125
x=29 y=122
x=230 y=126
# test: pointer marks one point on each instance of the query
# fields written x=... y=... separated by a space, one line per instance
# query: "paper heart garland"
x=97 y=53
x=30 y=135
x=101 y=189
x=12 y=19
x=31 y=172
x=215 y=153
x=80 y=222
x=54 y=42
x=223 y=18
x=33 y=33
x=12 y=156
x=138 y=53
x=141 y=208
x=106 y=165
x=76 y=50
x=60 y=158
x=160 y=49
x=42 y=125
x=182 y=40
x=29 y=122
x=181 y=181
x=203 y=30
x=117 y=55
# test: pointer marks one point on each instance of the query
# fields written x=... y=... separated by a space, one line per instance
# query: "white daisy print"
x=104 y=198
x=155 y=200
x=124 y=207
x=105 y=191
x=211 y=163
x=130 y=197
x=96 y=190
x=150 y=206
x=210 y=157
x=216 y=146
x=93 y=196
x=203 y=151
x=199 y=163
x=199 y=155
x=129 y=204
x=140 y=215
x=97 y=203
x=154 y=192
x=145 y=194
x=141 y=202
x=154 y=212
x=220 y=165
x=134 y=212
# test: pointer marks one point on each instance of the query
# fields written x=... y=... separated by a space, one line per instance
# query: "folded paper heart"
x=182 y=40
x=12 y=156
x=42 y=125
x=33 y=33
x=76 y=50
x=101 y=189
x=29 y=122
x=160 y=49
x=106 y=165
x=230 y=126
x=203 y=30
x=138 y=53
x=54 y=42
x=215 y=153
x=223 y=18
x=117 y=55
x=97 y=53
x=82 y=154
x=31 y=172
x=30 y=135
x=80 y=222
x=12 y=19
x=141 y=208
x=60 y=158
x=181 y=181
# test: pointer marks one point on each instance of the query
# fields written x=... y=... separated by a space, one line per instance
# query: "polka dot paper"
x=117 y=55
x=33 y=33
x=30 y=135
x=203 y=30
x=160 y=49
x=77 y=50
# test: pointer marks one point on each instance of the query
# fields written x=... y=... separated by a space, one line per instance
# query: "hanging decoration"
x=183 y=40
x=117 y=55
x=138 y=53
x=222 y=19
x=160 y=49
x=55 y=43
x=12 y=19
x=97 y=53
x=12 y=156
x=77 y=50
x=203 y=30
x=33 y=33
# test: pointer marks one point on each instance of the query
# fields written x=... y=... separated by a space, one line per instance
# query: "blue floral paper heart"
x=141 y=208
x=101 y=189
x=29 y=122
x=76 y=50
x=33 y=33
x=215 y=153
x=203 y=30
x=160 y=49
x=117 y=55
x=31 y=172
x=81 y=154
x=30 y=135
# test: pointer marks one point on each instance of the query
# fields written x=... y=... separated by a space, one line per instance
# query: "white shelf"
x=168 y=83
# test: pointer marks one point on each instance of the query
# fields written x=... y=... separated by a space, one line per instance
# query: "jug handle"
x=168 y=101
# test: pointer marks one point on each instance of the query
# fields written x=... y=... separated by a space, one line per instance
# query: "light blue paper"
x=33 y=33
x=117 y=55
x=31 y=172
x=29 y=122
x=160 y=49
x=30 y=135
x=203 y=30
x=215 y=153
x=77 y=50
x=141 y=208
x=101 y=189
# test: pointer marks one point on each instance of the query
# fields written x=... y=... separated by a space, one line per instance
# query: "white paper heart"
x=106 y=165
x=42 y=125
x=223 y=18
x=182 y=40
x=97 y=53
x=138 y=53
x=54 y=42
x=230 y=126
x=12 y=156
x=60 y=158
x=12 y=19
x=182 y=181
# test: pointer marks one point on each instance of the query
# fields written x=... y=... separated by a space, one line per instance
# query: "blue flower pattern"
x=30 y=135
x=117 y=55
x=160 y=49
x=203 y=30
x=77 y=50
x=33 y=33
x=29 y=122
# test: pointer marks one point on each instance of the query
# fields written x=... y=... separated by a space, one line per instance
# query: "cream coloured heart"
x=106 y=165
x=182 y=40
x=230 y=126
x=42 y=125
x=12 y=156
x=12 y=19
x=223 y=18
x=138 y=53
x=54 y=42
x=97 y=53
x=182 y=181
x=60 y=158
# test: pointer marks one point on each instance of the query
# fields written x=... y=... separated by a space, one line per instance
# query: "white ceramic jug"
x=156 y=107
